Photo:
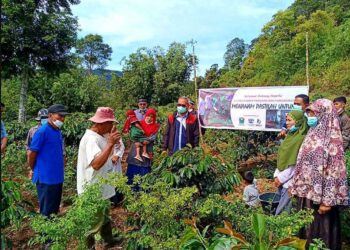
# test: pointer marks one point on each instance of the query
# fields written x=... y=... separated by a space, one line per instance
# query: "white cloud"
x=136 y=23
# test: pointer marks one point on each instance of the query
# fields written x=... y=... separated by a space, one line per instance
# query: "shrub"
x=76 y=223
x=158 y=213
x=194 y=167
x=13 y=209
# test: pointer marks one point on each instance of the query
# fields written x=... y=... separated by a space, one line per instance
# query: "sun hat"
x=103 y=114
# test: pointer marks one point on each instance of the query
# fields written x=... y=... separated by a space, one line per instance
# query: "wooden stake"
x=307 y=60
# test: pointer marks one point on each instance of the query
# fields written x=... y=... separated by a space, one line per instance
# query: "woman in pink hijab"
x=320 y=179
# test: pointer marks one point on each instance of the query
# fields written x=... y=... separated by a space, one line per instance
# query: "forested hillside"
x=277 y=56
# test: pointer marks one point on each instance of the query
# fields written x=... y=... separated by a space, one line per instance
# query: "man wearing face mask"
x=339 y=104
x=141 y=111
x=182 y=128
x=46 y=159
x=41 y=119
x=301 y=102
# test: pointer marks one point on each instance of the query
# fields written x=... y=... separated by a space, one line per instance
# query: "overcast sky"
x=130 y=24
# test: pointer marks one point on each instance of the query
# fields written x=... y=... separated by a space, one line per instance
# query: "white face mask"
x=58 y=123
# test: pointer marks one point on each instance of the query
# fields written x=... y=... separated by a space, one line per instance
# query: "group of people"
x=310 y=162
x=100 y=151
x=311 y=166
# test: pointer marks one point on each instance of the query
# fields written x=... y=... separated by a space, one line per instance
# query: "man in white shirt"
x=95 y=161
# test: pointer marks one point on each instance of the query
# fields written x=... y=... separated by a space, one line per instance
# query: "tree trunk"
x=23 y=95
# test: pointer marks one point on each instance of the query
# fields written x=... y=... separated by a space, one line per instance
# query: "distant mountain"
x=107 y=73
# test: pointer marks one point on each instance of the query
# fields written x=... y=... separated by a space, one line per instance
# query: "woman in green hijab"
x=287 y=156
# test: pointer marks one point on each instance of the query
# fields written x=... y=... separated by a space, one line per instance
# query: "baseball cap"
x=58 y=109
x=43 y=113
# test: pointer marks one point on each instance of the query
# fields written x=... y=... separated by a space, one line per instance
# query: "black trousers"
x=49 y=198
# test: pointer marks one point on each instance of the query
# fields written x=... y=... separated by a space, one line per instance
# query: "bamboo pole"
x=307 y=60
x=193 y=42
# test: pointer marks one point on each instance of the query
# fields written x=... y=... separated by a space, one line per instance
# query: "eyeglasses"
x=181 y=105
x=142 y=104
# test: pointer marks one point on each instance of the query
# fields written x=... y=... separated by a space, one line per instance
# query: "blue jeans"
x=49 y=198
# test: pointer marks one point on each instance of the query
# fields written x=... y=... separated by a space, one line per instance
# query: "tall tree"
x=235 y=52
x=174 y=69
x=94 y=52
x=138 y=74
x=36 y=35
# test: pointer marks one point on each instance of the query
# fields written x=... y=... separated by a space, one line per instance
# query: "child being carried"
x=141 y=132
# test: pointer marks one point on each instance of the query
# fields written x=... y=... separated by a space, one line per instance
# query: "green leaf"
x=292 y=242
x=205 y=231
x=259 y=225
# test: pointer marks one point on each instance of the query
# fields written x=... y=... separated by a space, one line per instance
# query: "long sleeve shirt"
x=118 y=151
x=285 y=176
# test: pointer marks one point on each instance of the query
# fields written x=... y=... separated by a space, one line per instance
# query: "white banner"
x=255 y=108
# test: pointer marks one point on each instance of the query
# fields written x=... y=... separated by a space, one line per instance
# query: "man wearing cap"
x=42 y=118
x=95 y=161
x=45 y=157
x=344 y=120
x=141 y=111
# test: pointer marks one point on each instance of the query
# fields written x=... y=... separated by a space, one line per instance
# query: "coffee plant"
x=13 y=209
x=76 y=224
x=158 y=212
x=195 y=167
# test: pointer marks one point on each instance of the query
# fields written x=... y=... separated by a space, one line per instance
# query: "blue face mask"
x=293 y=129
x=43 y=121
x=312 y=121
x=297 y=107
x=181 y=109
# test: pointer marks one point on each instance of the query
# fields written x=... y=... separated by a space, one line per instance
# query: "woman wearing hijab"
x=287 y=156
x=320 y=181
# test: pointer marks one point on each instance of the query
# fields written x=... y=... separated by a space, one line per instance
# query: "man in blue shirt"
x=3 y=132
x=46 y=159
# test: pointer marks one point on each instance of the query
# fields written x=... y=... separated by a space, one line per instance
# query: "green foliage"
x=50 y=32
x=214 y=209
x=236 y=146
x=194 y=167
x=318 y=244
x=194 y=239
x=158 y=212
x=138 y=73
x=83 y=91
x=174 y=69
x=155 y=75
x=235 y=51
x=93 y=51
x=277 y=56
x=13 y=165
x=261 y=242
x=74 y=127
x=13 y=209
x=76 y=223
x=36 y=35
